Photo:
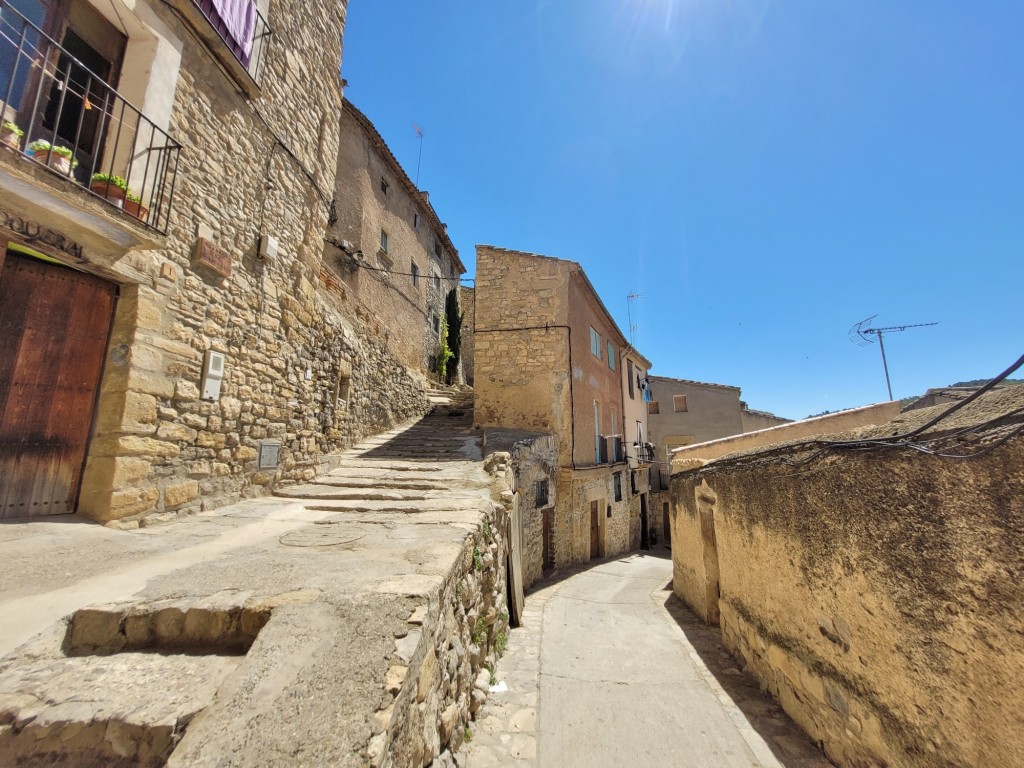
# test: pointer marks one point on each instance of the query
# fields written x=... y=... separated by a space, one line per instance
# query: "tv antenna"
x=419 y=157
x=630 y=298
x=861 y=333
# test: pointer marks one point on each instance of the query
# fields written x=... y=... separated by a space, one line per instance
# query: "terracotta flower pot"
x=138 y=210
x=10 y=138
x=59 y=163
x=105 y=189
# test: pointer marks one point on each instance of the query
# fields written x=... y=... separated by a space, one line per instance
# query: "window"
x=652 y=407
x=595 y=343
x=436 y=278
x=629 y=371
x=384 y=185
x=383 y=241
x=438 y=251
x=435 y=322
x=540 y=496
x=415 y=275
x=617 y=484
x=611 y=355
x=679 y=403
x=416 y=221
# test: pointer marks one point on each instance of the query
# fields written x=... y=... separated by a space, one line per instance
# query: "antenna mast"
x=861 y=333
x=419 y=157
x=630 y=298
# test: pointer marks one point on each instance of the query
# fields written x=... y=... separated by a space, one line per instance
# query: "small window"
x=438 y=251
x=437 y=278
x=541 y=494
x=415 y=275
x=679 y=403
x=611 y=355
x=652 y=407
x=595 y=343
x=629 y=371
x=384 y=241
x=416 y=221
x=617 y=483
x=435 y=322
x=384 y=185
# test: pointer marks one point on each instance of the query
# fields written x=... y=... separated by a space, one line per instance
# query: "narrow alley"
x=610 y=669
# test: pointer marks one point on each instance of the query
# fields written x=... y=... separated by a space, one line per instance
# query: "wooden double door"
x=54 y=325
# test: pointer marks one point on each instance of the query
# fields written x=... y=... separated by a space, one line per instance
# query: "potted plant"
x=60 y=159
x=10 y=134
x=133 y=205
x=110 y=186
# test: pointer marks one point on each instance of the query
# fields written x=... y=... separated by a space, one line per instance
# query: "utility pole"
x=861 y=336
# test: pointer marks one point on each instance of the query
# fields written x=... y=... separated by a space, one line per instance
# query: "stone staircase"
x=416 y=468
x=453 y=401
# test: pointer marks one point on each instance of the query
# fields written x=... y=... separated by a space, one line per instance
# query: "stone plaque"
x=213 y=257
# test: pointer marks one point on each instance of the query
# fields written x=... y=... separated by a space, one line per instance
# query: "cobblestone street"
x=610 y=669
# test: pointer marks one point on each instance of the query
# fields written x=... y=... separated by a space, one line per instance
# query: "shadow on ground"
x=435 y=438
x=790 y=745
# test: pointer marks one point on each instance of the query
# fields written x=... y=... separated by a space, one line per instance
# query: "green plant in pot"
x=133 y=205
x=110 y=186
x=60 y=159
x=10 y=134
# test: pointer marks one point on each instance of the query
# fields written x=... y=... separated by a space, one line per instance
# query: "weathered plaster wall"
x=382 y=284
x=713 y=411
x=754 y=421
x=832 y=423
x=875 y=595
x=592 y=379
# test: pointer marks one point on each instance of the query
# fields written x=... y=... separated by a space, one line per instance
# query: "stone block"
x=210 y=440
x=181 y=493
x=149 y=383
x=132 y=501
x=175 y=432
x=146 y=446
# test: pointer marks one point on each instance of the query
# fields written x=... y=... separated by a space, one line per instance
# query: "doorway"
x=595 y=529
x=548 y=542
x=645 y=538
x=54 y=325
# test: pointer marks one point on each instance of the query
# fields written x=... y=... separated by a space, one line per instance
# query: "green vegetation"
x=444 y=354
x=479 y=631
x=7 y=125
x=501 y=643
x=488 y=534
x=111 y=180
x=453 y=322
x=478 y=559
x=467 y=734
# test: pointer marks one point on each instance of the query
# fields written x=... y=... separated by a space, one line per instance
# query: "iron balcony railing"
x=252 y=31
x=66 y=117
x=644 y=452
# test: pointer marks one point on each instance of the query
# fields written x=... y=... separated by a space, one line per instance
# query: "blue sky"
x=765 y=174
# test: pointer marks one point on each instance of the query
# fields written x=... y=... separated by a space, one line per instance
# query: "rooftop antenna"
x=419 y=133
x=861 y=333
x=630 y=298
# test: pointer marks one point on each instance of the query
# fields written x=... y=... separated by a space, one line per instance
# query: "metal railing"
x=644 y=452
x=249 y=52
x=72 y=122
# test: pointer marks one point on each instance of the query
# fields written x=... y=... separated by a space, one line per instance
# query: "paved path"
x=610 y=669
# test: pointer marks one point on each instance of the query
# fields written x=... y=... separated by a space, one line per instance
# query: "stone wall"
x=303 y=366
x=829 y=424
x=577 y=491
x=443 y=667
x=531 y=471
x=876 y=595
x=467 y=301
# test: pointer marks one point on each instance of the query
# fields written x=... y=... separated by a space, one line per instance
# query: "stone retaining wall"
x=442 y=669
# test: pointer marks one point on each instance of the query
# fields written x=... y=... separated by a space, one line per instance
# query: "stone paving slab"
x=609 y=668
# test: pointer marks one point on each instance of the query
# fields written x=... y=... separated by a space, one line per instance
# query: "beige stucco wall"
x=713 y=411
x=832 y=423
x=875 y=595
x=634 y=408
x=754 y=421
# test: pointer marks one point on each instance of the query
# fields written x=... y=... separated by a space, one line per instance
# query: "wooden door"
x=595 y=523
x=54 y=324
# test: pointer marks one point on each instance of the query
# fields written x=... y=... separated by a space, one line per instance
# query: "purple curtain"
x=235 y=20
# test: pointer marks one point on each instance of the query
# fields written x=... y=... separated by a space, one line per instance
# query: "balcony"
x=236 y=34
x=74 y=152
x=644 y=452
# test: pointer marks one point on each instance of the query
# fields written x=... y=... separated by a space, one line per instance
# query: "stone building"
x=179 y=355
x=547 y=355
x=388 y=247
x=467 y=302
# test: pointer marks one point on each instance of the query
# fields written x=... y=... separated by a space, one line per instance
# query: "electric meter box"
x=213 y=374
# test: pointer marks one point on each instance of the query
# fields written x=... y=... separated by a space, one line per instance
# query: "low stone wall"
x=876 y=595
x=442 y=669
x=531 y=475
x=869 y=415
